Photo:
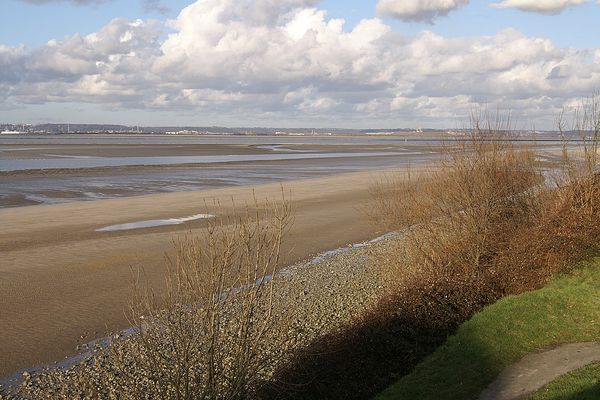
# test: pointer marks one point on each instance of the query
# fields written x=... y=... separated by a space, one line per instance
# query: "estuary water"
x=66 y=168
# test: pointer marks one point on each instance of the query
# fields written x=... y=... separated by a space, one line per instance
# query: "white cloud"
x=309 y=100
x=418 y=10
x=550 y=7
x=296 y=63
x=303 y=44
x=11 y=63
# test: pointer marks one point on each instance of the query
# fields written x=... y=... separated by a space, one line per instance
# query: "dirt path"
x=536 y=370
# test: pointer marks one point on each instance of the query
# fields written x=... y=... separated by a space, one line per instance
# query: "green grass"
x=583 y=384
x=567 y=310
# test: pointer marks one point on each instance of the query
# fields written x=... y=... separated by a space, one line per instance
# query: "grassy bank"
x=583 y=384
x=566 y=310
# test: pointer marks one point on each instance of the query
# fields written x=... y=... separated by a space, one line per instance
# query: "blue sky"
x=398 y=97
x=34 y=24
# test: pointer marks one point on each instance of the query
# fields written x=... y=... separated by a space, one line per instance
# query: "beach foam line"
x=281 y=147
x=65 y=156
x=154 y=223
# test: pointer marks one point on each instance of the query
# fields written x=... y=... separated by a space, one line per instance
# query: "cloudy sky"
x=330 y=63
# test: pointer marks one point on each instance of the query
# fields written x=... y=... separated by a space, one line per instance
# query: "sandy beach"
x=64 y=284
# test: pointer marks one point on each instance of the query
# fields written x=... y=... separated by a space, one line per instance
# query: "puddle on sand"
x=154 y=223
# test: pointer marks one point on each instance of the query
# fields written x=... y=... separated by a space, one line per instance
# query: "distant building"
x=379 y=133
x=184 y=132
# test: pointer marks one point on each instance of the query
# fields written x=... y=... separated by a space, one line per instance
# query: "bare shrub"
x=481 y=224
x=565 y=228
x=459 y=211
x=484 y=222
x=213 y=336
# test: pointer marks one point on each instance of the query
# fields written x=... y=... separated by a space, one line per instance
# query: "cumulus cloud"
x=303 y=44
x=296 y=62
x=418 y=10
x=262 y=11
x=105 y=66
x=11 y=63
x=550 y=7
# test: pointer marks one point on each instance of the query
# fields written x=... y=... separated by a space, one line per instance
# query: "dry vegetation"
x=488 y=222
x=215 y=336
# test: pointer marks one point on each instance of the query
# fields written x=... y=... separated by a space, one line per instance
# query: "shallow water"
x=154 y=223
x=57 y=188
x=82 y=177
x=79 y=162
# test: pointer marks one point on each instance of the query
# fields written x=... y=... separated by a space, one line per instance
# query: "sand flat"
x=63 y=284
x=55 y=171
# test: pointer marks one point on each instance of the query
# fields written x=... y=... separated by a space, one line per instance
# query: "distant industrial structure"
x=111 y=129
x=194 y=132
x=12 y=129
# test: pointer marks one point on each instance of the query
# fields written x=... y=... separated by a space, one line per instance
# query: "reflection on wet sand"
x=55 y=171
x=153 y=223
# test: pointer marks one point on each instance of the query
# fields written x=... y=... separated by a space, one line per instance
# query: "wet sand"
x=40 y=172
x=63 y=283
x=54 y=151
x=49 y=151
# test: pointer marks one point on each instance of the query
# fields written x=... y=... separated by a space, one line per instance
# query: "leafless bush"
x=483 y=223
x=585 y=125
x=214 y=336
x=566 y=228
x=459 y=209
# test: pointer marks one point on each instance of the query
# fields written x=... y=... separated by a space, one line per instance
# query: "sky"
x=296 y=63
